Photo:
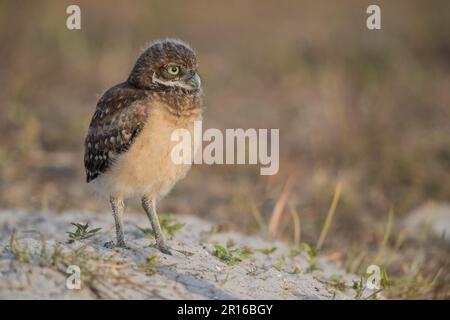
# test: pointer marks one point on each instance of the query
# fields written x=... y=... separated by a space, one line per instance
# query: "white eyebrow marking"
x=170 y=83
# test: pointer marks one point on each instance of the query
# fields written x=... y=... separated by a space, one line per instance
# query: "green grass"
x=387 y=234
x=151 y=265
x=21 y=253
x=280 y=263
x=232 y=256
x=267 y=251
x=81 y=232
x=329 y=218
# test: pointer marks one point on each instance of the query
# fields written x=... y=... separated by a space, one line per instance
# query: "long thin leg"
x=150 y=209
x=117 y=209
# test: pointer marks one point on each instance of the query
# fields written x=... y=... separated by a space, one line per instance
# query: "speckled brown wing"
x=119 y=117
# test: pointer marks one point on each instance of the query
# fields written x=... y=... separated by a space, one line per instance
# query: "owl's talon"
x=109 y=245
x=112 y=245
x=164 y=248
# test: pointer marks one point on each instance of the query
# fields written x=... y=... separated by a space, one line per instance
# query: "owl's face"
x=169 y=64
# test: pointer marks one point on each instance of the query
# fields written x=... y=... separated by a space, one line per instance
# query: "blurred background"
x=366 y=110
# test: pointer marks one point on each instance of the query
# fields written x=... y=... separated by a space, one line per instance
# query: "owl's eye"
x=173 y=70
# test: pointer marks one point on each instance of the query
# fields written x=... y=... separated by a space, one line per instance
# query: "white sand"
x=198 y=275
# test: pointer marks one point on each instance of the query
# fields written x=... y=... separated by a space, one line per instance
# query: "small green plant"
x=169 y=226
x=81 y=232
x=296 y=270
x=294 y=252
x=43 y=255
x=279 y=265
x=311 y=256
x=308 y=249
x=312 y=253
x=313 y=265
x=150 y=266
x=221 y=252
x=243 y=253
x=359 y=287
x=232 y=256
x=337 y=283
x=21 y=254
x=385 y=281
x=267 y=251
x=303 y=247
x=224 y=254
x=56 y=254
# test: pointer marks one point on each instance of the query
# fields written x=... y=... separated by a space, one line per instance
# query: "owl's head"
x=167 y=64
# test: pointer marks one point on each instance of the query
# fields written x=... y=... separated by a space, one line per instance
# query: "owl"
x=128 y=144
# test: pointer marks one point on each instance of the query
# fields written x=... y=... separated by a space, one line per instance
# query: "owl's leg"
x=118 y=207
x=150 y=208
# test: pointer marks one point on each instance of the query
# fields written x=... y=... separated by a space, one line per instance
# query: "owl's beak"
x=194 y=82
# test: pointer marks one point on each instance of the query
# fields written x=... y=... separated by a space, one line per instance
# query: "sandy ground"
x=35 y=254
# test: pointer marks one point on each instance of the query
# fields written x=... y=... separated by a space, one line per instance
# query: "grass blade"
x=329 y=219
x=387 y=234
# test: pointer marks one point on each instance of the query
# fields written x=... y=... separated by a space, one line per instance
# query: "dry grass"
x=329 y=219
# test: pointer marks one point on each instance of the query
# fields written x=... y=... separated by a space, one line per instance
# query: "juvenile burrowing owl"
x=128 y=145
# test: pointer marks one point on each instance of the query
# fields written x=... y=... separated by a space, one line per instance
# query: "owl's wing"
x=119 y=117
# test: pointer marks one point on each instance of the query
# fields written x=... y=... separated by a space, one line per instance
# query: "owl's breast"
x=147 y=168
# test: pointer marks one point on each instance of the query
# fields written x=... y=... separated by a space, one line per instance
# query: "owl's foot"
x=164 y=248
x=111 y=245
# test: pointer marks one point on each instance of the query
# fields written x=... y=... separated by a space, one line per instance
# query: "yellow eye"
x=173 y=70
